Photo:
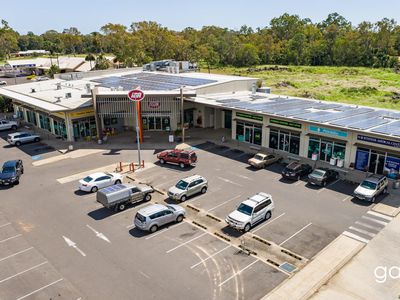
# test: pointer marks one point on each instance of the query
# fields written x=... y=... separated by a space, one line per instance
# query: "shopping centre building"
x=88 y=105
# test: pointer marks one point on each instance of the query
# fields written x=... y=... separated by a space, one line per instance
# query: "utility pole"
x=182 y=116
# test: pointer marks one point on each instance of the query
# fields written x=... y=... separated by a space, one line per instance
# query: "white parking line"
x=204 y=260
x=298 y=182
x=162 y=231
x=347 y=198
x=208 y=193
x=354 y=236
x=369 y=226
x=15 y=254
x=42 y=288
x=229 y=181
x=4 y=225
x=281 y=215
x=362 y=231
x=295 y=234
x=185 y=243
x=373 y=213
x=237 y=273
x=374 y=220
x=223 y=203
x=244 y=177
x=10 y=238
x=22 y=272
x=329 y=185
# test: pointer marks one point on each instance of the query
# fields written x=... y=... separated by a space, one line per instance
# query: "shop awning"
x=326 y=138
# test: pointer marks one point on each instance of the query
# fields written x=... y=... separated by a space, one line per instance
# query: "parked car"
x=296 y=170
x=11 y=172
x=6 y=125
x=251 y=211
x=183 y=158
x=19 y=138
x=118 y=196
x=96 y=181
x=322 y=176
x=261 y=160
x=152 y=217
x=188 y=187
x=42 y=78
x=371 y=188
x=2 y=82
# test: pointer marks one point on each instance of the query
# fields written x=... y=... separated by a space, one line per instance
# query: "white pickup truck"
x=7 y=125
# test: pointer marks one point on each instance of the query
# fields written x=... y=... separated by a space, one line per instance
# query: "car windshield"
x=87 y=179
x=8 y=170
x=182 y=185
x=368 y=185
x=171 y=208
x=258 y=157
x=318 y=173
x=245 y=209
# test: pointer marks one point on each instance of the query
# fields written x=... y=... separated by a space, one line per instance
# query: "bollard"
x=120 y=166
x=143 y=163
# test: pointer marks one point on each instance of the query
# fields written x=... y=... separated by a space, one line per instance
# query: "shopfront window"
x=249 y=133
x=377 y=162
x=326 y=149
x=44 y=122
x=156 y=123
x=84 y=127
x=60 y=128
x=285 y=141
x=31 y=117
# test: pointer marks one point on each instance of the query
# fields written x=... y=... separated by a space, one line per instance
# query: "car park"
x=96 y=181
x=188 y=187
x=118 y=196
x=251 y=211
x=296 y=170
x=19 y=138
x=322 y=176
x=7 y=125
x=261 y=160
x=183 y=158
x=152 y=217
x=371 y=187
x=11 y=172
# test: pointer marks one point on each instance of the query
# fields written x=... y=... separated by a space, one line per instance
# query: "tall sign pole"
x=137 y=96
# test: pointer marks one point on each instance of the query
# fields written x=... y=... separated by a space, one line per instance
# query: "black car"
x=322 y=176
x=11 y=172
x=296 y=170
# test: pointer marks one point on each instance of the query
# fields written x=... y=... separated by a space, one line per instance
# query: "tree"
x=8 y=40
x=102 y=63
x=247 y=56
x=54 y=69
x=90 y=57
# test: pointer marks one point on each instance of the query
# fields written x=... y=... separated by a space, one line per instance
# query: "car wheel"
x=94 y=189
x=162 y=161
x=179 y=219
x=373 y=199
x=121 y=206
x=117 y=181
x=247 y=227
x=267 y=215
x=13 y=127
x=147 y=197
x=203 y=190
x=22 y=171
x=16 y=182
x=153 y=228
x=181 y=165
x=17 y=144
x=385 y=190
x=36 y=140
x=183 y=198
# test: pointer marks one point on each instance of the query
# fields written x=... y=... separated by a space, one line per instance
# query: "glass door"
x=284 y=141
x=380 y=164
x=158 y=123
x=152 y=124
x=248 y=135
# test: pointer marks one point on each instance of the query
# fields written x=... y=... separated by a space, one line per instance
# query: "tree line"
x=287 y=40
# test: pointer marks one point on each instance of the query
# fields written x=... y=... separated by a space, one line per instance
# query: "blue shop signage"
x=379 y=141
x=328 y=131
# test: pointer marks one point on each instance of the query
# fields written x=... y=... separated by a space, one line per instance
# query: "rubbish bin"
x=396 y=184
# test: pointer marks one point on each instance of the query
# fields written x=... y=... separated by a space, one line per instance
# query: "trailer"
x=118 y=196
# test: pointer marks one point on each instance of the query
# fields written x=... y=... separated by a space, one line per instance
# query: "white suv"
x=251 y=211
x=5 y=125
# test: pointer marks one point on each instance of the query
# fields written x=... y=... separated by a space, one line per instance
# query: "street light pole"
x=137 y=131
x=182 y=116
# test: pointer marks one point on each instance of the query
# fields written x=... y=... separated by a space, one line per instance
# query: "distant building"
x=31 y=52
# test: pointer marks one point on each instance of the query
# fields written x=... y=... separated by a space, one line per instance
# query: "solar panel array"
x=347 y=116
x=150 y=81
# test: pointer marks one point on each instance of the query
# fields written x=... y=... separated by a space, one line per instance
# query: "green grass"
x=358 y=85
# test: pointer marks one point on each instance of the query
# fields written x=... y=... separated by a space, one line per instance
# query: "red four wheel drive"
x=183 y=158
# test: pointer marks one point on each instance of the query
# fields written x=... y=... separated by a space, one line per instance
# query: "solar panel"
x=292 y=112
x=173 y=79
x=340 y=115
x=354 y=119
x=389 y=129
x=365 y=124
x=390 y=114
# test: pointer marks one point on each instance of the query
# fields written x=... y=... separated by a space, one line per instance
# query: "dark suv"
x=183 y=158
x=296 y=170
x=11 y=172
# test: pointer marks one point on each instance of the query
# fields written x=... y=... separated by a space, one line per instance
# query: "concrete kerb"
x=315 y=274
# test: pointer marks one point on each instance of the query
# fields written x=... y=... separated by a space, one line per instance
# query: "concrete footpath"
x=305 y=283
x=373 y=274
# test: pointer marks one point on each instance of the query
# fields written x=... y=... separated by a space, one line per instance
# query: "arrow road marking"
x=73 y=245
x=99 y=234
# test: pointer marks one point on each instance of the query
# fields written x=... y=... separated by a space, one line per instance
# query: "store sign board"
x=285 y=123
x=82 y=113
x=249 y=116
x=154 y=104
x=361 y=160
x=328 y=131
x=392 y=167
x=379 y=141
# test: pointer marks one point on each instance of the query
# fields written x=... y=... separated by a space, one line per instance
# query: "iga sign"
x=136 y=95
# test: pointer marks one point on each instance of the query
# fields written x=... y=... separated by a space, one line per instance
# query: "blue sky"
x=89 y=15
